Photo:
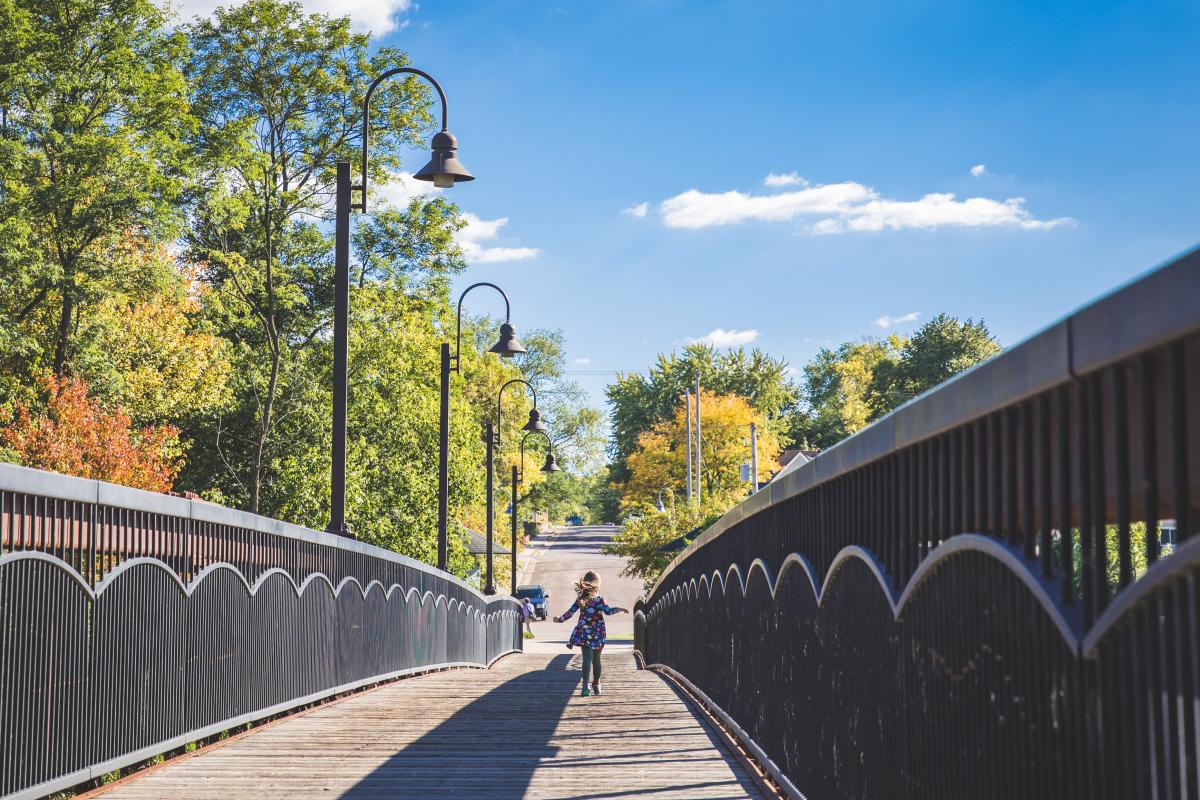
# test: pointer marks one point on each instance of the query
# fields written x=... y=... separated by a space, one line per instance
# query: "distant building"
x=791 y=460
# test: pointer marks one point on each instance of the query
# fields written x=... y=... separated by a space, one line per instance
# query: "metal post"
x=699 y=460
x=341 y=317
x=444 y=461
x=489 y=586
x=753 y=458
x=515 y=478
x=687 y=399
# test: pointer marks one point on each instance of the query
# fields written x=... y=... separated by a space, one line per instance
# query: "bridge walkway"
x=518 y=730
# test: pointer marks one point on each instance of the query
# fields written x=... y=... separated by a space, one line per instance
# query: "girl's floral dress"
x=589 y=630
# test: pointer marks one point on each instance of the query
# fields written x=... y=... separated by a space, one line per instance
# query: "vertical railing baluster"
x=1149 y=437
x=1177 y=436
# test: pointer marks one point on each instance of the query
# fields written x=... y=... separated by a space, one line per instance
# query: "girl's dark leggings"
x=591 y=660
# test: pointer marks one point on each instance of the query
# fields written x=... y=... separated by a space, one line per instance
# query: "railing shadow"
x=490 y=747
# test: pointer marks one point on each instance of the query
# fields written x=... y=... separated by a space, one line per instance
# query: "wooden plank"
x=519 y=730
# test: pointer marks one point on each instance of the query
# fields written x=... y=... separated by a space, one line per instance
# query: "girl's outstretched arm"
x=566 y=615
x=610 y=610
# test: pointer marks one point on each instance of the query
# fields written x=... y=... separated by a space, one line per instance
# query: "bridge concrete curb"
x=758 y=760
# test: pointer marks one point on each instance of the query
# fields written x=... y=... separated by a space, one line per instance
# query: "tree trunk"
x=264 y=431
x=64 y=332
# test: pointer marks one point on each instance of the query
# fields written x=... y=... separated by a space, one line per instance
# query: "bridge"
x=994 y=591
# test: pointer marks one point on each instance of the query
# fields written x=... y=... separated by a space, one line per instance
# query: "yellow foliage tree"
x=660 y=461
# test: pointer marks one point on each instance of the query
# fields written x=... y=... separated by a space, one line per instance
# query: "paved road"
x=560 y=559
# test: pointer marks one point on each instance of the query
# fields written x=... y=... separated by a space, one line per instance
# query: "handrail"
x=26 y=480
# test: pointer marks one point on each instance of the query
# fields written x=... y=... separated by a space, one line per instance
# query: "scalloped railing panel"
x=990 y=592
x=121 y=640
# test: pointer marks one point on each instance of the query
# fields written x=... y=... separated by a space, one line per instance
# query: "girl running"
x=589 y=630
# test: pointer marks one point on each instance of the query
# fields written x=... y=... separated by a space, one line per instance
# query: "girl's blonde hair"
x=587 y=587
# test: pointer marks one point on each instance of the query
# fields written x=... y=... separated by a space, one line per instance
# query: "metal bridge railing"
x=133 y=623
x=973 y=596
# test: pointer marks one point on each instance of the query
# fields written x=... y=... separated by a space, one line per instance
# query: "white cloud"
x=376 y=16
x=848 y=206
x=979 y=170
x=886 y=322
x=722 y=338
x=638 y=210
x=480 y=230
x=785 y=179
x=582 y=361
x=696 y=209
x=404 y=187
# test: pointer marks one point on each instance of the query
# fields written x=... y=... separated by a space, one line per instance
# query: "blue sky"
x=867 y=113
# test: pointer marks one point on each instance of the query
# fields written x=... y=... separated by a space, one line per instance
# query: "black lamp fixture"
x=444 y=169
x=508 y=345
x=535 y=423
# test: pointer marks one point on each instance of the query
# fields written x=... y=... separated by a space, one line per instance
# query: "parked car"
x=575 y=520
x=538 y=596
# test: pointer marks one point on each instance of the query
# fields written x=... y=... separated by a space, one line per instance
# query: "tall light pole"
x=687 y=400
x=492 y=435
x=445 y=170
x=518 y=475
x=506 y=346
x=753 y=458
x=699 y=459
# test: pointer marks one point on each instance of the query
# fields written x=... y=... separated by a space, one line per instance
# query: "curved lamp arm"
x=525 y=438
x=499 y=405
x=458 y=323
x=366 y=124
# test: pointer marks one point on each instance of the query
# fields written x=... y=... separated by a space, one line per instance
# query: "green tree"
x=392 y=432
x=642 y=538
x=660 y=461
x=939 y=350
x=835 y=391
x=846 y=388
x=93 y=125
x=576 y=429
x=638 y=402
x=278 y=94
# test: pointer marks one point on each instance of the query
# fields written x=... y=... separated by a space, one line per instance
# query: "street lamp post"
x=518 y=476
x=444 y=169
x=492 y=436
x=506 y=346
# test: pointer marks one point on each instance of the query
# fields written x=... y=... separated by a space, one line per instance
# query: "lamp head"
x=444 y=168
x=508 y=345
x=550 y=465
x=535 y=422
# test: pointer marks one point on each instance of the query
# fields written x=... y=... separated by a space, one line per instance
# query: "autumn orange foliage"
x=77 y=436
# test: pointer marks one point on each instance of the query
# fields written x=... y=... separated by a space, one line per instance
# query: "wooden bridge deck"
x=519 y=730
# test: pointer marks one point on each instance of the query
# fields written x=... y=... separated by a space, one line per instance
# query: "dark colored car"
x=575 y=520
x=537 y=595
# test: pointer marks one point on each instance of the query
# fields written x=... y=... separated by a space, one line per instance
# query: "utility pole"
x=687 y=399
x=753 y=458
x=699 y=460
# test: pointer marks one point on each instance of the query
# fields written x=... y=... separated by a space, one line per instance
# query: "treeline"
x=840 y=391
x=166 y=270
